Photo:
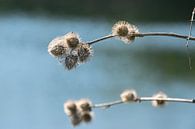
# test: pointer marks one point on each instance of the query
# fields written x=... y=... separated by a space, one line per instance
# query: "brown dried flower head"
x=72 y=39
x=69 y=50
x=84 y=105
x=124 y=31
x=70 y=108
x=84 y=52
x=159 y=102
x=78 y=111
x=86 y=117
x=121 y=28
x=76 y=119
x=128 y=96
x=57 y=47
x=71 y=62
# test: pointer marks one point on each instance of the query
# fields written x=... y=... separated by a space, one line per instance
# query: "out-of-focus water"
x=34 y=86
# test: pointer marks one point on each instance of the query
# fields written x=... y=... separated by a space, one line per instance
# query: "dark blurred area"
x=136 y=10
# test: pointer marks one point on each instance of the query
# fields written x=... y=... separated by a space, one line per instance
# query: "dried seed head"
x=84 y=105
x=72 y=39
x=124 y=31
x=133 y=29
x=130 y=38
x=69 y=50
x=57 y=47
x=159 y=102
x=76 y=119
x=121 y=28
x=84 y=52
x=57 y=50
x=71 y=61
x=78 y=111
x=86 y=117
x=128 y=96
x=70 y=108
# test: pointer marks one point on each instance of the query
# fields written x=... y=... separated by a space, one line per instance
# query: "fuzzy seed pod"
x=70 y=108
x=72 y=39
x=129 y=96
x=121 y=28
x=76 y=119
x=84 y=51
x=57 y=47
x=84 y=105
x=124 y=31
x=71 y=61
x=86 y=117
x=159 y=102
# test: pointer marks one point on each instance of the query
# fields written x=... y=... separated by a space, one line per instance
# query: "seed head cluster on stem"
x=81 y=111
x=70 y=50
x=78 y=111
x=124 y=31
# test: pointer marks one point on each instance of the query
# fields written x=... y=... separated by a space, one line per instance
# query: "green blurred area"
x=170 y=64
x=136 y=10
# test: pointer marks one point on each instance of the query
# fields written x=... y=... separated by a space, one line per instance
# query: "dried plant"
x=81 y=111
x=71 y=51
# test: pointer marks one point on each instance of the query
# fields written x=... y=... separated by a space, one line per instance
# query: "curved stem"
x=141 y=99
x=170 y=34
x=108 y=104
x=187 y=41
x=101 y=39
x=167 y=99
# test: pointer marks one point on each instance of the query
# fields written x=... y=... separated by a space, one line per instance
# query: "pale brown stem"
x=141 y=99
x=164 y=34
x=187 y=40
x=170 y=34
x=100 y=39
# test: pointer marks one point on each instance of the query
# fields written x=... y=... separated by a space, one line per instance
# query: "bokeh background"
x=34 y=86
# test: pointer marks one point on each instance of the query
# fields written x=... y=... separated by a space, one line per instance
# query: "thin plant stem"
x=108 y=104
x=190 y=29
x=180 y=100
x=187 y=40
x=170 y=34
x=101 y=39
x=142 y=99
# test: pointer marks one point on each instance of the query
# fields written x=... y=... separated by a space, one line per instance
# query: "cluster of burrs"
x=71 y=51
x=78 y=111
x=159 y=99
x=81 y=111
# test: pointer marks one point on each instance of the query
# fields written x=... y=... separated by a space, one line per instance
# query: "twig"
x=144 y=35
x=107 y=105
x=167 y=99
x=101 y=39
x=141 y=99
x=190 y=29
x=163 y=34
x=187 y=42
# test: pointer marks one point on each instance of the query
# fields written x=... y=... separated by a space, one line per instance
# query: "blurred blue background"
x=34 y=86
